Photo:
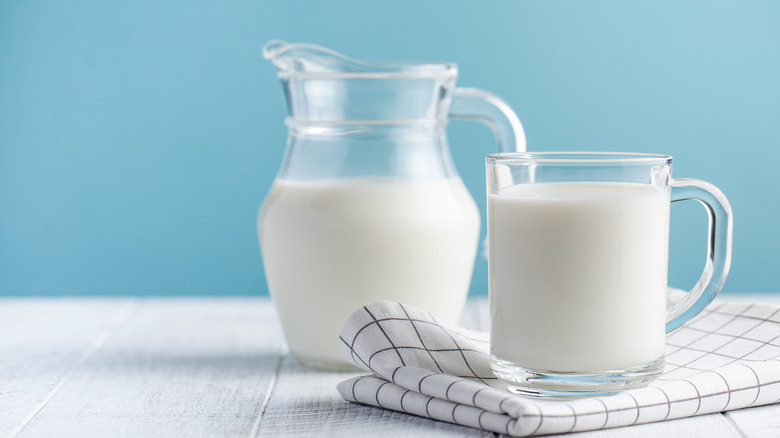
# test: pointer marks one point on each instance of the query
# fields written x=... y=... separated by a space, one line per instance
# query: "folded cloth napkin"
x=726 y=358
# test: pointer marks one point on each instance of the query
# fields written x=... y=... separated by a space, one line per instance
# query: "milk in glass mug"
x=577 y=254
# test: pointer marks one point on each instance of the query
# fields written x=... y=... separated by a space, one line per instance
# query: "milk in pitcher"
x=330 y=247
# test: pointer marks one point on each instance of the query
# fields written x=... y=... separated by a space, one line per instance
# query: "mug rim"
x=576 y=157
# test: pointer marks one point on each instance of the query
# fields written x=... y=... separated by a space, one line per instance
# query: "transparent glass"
x=577 y=259
x=367 y=204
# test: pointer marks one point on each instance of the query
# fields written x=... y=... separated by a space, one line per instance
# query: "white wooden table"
x=191 y=367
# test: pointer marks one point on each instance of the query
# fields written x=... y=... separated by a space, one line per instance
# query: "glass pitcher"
x=367 y=205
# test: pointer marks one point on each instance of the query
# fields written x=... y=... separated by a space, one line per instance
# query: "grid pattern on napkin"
x=724 y=334
x=413 y=337
x=725 y=358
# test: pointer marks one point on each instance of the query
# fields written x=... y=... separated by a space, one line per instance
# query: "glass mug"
x=577 y=258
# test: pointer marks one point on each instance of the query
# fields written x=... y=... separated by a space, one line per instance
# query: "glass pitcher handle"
x=486 y=107
x=718 y=261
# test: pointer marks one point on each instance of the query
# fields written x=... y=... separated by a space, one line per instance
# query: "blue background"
x=137 y=139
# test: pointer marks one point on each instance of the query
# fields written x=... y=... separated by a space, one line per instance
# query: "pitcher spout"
x=311 y=58
x=305 y=58
x=324 y=85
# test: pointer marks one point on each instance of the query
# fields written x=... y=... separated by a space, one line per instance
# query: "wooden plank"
x=179 y=367
x=758 y=422
x=773 y=299
x=305 y=403
x=43 y=341
x=204 y=367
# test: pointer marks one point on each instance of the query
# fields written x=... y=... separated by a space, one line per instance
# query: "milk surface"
x=578 y=275
x=330 y=247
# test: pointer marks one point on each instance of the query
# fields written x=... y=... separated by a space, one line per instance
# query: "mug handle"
x=486 y=107
x=718 y=261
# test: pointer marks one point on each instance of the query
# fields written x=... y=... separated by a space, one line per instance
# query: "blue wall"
x=137 y=139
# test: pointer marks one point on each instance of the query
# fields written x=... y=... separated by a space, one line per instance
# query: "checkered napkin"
x=726 y=358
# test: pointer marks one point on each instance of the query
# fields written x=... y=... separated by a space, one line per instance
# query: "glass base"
x=556 y=385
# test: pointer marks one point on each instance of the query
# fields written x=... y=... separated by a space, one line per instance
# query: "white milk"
x=578 y=275
x=331 y=247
